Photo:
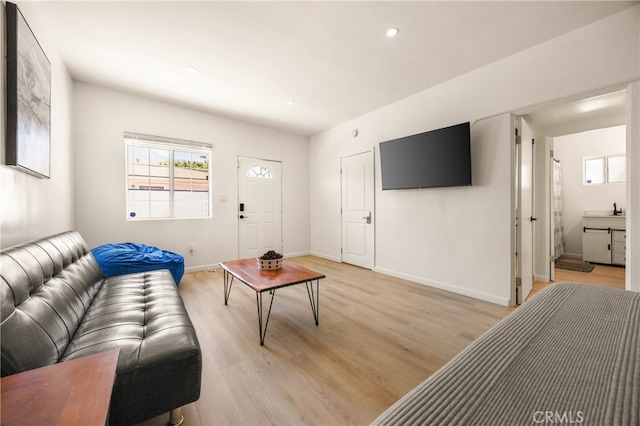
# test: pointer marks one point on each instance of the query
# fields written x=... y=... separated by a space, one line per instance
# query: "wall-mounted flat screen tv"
x=431 y=159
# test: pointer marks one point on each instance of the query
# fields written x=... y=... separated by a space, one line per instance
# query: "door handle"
x=367 y=217
x=533 y=219
x=243 y=216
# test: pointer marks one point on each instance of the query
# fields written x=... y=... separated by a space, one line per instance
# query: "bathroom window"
x=605 y=169
x=167 y=178
x=617 y=168
x=593 y=171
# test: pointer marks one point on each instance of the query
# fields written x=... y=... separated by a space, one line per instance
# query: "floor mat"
x=575 y=266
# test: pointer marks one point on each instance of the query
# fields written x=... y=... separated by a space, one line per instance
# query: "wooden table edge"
x=38 y=377
x=258 y=290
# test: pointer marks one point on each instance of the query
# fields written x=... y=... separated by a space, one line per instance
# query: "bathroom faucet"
x=616 y=212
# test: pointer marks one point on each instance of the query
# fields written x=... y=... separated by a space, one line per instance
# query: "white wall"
x=31 y=207
x=571 y=150
x=425 y=234
x=632 y=271
x=103 y=115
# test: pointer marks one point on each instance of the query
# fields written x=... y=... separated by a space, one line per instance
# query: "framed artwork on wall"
x=28 y=138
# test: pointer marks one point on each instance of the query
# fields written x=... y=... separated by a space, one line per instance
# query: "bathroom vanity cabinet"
x=618 y=247
x=604 y=239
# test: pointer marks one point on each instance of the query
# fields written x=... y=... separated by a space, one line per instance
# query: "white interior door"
x=357 y=210
x=260 y=207
x=551 y=219
x=552 y=234
x=525 y=210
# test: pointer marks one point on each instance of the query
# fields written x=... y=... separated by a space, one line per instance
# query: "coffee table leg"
x=228 y=281
x=314 y=299
x=263 y=333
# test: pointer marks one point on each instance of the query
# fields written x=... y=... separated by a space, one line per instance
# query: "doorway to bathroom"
x=568 y=136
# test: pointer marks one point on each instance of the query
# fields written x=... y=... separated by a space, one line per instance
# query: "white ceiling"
x=580 y=115
x=332 y=58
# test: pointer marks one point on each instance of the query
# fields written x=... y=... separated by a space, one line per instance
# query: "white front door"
x=260 y=207
x=525 y=210
x=357 y=210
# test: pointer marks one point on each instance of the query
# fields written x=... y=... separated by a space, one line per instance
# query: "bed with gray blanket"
x=570 y=355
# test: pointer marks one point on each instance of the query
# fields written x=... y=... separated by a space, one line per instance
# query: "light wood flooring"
x=609 y=276
x=377 y=339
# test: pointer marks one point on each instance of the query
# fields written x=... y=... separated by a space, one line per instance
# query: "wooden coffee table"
x=261 y=280
x=75 y=392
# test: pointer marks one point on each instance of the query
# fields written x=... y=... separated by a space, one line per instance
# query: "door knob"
x=367 y=217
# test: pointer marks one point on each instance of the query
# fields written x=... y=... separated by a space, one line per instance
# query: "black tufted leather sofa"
x=56 y=305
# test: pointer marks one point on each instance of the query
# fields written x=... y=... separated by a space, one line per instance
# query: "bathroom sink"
x=602 y=213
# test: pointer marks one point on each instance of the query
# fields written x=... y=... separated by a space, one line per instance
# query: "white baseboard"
x=217 y=265
x=326 y=256
x=442 y=286
x=573 y=255
x=448 y=287
x=298 y=254
x=202 y=267
x=541 y=278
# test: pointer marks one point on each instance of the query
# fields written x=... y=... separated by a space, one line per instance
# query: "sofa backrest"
x=46 y=288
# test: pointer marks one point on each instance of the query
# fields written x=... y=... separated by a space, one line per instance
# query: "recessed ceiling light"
x=392 y=32
x=291 y=102
x=193 y=70
x=603 y=101
x=591 y=106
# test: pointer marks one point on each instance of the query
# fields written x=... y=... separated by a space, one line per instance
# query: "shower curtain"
x=558 y=230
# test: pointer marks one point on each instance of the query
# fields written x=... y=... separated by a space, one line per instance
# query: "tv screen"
x=436 y=158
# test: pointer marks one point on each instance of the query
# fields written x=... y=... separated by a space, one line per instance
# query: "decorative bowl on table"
x=270 y=260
